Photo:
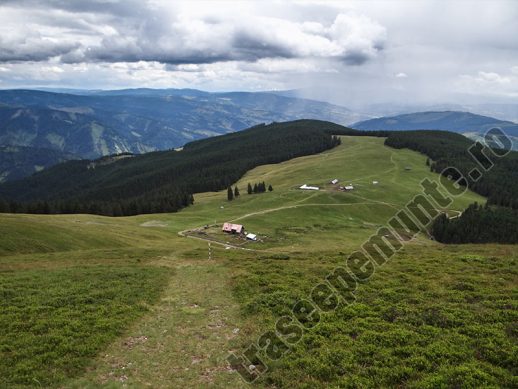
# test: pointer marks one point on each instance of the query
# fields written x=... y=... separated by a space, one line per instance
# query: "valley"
x=92 y=124
x=168 y=316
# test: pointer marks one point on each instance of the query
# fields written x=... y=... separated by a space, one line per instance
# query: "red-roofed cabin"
x=233 y=228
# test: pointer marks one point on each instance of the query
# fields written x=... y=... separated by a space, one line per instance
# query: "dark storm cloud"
x=250 y=48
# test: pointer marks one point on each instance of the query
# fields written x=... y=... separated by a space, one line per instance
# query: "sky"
x=347 y=52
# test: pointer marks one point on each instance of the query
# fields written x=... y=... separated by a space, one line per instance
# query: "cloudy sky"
x=345 y=51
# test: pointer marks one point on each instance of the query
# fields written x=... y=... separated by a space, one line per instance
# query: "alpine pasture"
x=91 y=301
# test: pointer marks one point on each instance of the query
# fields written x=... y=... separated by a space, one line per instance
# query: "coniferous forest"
x=445 y=149
x=259 y=187
x=164 y=181
x=478 y=224
x=498 y=220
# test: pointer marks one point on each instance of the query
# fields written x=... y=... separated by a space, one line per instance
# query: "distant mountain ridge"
x=92 y=124
x=504 y=109
x=466 y=123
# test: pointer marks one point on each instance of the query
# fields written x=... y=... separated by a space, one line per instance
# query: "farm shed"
x=335 y=181
x=233 y=228
x=251 y=236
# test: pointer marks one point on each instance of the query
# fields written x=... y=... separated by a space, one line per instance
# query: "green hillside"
x=164 y=181
x=92 y=301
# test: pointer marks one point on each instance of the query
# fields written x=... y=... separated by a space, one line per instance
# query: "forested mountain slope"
x=102 y=123
x=91 y=124
x=497 y=221
x=499 y=184
x=165 y=181
x=17 y=161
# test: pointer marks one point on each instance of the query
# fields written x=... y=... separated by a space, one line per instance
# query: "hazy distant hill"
x=91 y=124
x=460 y=122
x=506 y=109
x=505 y=112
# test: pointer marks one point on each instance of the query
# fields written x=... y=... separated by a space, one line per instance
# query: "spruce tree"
x=230 y=194
x=236 y=192
x=270 y=189
x=249 y=188
x=256 y=190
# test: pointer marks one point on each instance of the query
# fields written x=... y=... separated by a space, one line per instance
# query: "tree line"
x=446 y=149
x=257 y=188
x=498 y=220
x=163 y=181
x=478 y=224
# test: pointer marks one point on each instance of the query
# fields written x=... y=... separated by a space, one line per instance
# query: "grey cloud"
x=349 y=52
x=33 y=50
x=250 y=48
x=133 y=31
x=119 y=8
x=355 y=58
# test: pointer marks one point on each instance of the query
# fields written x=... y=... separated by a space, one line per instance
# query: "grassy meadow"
x=91 y=301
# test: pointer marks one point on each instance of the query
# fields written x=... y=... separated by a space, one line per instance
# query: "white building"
x=306 y=187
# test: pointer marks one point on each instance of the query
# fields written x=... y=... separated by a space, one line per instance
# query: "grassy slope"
x=330 y=219
x=185 y=335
